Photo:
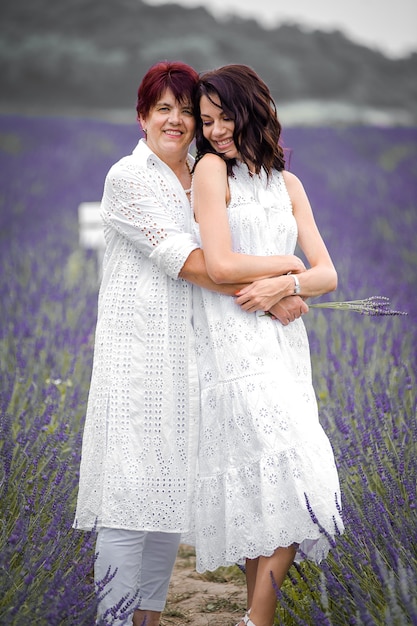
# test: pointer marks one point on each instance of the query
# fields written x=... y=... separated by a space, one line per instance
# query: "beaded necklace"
x=187 y=191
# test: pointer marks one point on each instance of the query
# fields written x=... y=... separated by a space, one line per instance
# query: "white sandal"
x=246 y=620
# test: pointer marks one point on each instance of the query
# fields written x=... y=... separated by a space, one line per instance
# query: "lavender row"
x=362 y=184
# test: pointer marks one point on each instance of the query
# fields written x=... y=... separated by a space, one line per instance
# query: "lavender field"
x=363 y=186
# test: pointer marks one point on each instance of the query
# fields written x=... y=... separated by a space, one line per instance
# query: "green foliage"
x=87 y=53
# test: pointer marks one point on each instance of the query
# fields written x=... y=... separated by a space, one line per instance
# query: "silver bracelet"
x=296 y=284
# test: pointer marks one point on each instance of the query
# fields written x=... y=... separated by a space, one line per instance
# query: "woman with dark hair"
x=267 y=486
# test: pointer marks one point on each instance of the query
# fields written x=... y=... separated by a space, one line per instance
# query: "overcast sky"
x=388 y=25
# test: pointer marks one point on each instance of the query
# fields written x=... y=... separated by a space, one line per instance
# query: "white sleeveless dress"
x=266 y=475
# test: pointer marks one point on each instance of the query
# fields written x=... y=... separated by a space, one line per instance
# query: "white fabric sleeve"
x=172 y=253
x=136 y=205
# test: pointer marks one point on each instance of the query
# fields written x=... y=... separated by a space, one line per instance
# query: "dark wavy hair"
x=247 y=100
x=181 y=78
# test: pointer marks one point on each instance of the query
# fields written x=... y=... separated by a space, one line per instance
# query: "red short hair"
x=179 y=77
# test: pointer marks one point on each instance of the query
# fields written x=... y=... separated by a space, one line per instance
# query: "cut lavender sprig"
x=375 y=305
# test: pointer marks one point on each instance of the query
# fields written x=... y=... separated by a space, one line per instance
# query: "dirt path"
x=213 y=599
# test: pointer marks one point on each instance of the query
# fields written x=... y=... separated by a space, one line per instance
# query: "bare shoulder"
x=292 y=182
x=210 y=162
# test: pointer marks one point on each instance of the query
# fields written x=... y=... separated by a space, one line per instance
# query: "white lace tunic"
x=262 y=451
x=140 y=436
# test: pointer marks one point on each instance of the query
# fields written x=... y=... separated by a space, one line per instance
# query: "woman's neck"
x=178 y=163
x=182 y=171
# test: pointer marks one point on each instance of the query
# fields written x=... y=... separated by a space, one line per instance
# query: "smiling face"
x=218 y=127
x=170 y=127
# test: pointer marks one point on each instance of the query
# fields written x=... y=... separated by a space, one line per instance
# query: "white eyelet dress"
x=266 y=467
x=140 y=437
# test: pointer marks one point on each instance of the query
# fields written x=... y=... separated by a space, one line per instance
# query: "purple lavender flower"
x=374 y=305
x=362 y=185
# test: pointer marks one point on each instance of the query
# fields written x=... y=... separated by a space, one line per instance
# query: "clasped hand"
x=268 y=295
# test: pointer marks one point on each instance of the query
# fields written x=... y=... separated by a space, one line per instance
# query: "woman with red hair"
x=140 y=435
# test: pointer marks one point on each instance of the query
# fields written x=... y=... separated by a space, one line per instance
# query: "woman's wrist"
x=287 y=264
x=297 y=287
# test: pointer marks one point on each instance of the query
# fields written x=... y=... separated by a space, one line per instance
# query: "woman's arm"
x=134 y=209
x=194 y=271
x=131 y=207
x=210 y=191
x=320 y=278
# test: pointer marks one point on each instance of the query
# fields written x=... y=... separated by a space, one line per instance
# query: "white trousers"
x=142 y=564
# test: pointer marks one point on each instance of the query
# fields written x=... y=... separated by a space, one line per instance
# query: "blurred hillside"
x=88 y=56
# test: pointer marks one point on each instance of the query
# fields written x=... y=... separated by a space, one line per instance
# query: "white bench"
x=90 y=228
